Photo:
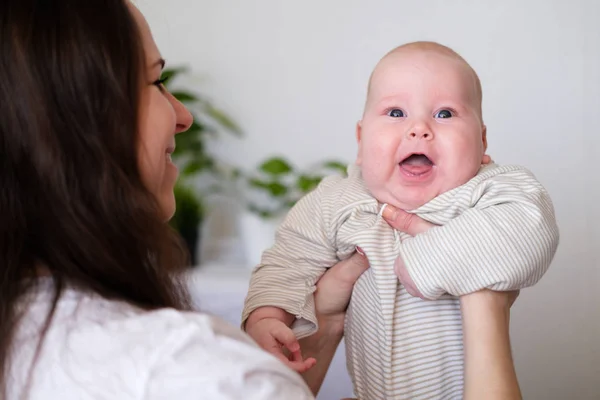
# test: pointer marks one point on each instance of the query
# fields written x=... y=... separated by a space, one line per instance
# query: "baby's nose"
x=419 y=134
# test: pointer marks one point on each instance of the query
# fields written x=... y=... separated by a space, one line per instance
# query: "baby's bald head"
x=423 y=47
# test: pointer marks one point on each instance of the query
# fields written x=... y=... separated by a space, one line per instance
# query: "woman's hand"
x=335 y=288
x=413 y=225
x=489 y=368
x=331 y=300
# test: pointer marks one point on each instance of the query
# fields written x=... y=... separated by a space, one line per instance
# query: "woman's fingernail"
x=360 y=251
x=389 y=213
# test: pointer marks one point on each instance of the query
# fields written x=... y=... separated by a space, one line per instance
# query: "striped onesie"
x=499 y=232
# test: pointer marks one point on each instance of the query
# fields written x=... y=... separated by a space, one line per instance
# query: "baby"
x=422 y=144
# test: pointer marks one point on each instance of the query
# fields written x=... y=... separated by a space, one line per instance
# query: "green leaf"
x=195 y=166
x=306 y=183
x=195 y=128
x=274 y=188
x=258 y=184
x=195 y=147
x=189 y=209
x=171 y=73
x=184 y=97
x=263 y=213
x=277 y=189
x=192 y=168
x=190 y=146
x=336 y=165
x=276 y=166
x=222 y=119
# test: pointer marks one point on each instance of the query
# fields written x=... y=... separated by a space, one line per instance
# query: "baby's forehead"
x=424 y=62
x=429 y=62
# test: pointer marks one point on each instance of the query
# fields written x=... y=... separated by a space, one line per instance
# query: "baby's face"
x=421 y=133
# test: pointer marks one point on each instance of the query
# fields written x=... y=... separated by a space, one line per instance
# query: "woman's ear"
x=358 y=140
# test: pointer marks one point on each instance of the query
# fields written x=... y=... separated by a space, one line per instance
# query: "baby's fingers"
x=286 y=337
x=296 y=363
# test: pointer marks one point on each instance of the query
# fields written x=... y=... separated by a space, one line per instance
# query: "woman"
x=89 y=303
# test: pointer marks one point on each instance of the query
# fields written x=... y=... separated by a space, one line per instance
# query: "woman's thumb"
x=354 y=266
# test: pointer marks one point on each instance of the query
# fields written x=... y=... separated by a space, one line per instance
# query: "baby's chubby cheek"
x=381 y=186
x=459 y=173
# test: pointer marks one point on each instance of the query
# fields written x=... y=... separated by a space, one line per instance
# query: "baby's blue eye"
x=443 y=114
x=396 y=113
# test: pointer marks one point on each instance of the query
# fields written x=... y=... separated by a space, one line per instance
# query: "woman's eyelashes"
x=160 y=83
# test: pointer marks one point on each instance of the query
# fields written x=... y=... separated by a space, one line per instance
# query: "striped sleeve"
x=287 y=275
x=505 y=241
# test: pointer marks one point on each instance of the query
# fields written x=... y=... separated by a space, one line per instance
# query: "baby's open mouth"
x=416 y=164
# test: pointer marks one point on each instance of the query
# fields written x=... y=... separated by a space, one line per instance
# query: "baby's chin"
x=410 y=198
x=407 y=199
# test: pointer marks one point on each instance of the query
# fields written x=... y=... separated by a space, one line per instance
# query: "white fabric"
x=100 y=349
x=220 y=288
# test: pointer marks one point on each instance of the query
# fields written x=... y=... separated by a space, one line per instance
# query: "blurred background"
x=291 y=77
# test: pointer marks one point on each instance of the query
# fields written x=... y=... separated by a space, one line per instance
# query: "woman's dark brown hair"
x=72 y=200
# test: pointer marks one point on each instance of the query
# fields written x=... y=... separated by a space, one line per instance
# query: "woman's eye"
x=396 y=113
x=160 y=83
x=443 y=114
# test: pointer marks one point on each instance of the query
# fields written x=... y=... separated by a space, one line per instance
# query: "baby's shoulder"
x=506 y=176
x=508 y=170
x=342 y=195
x=335 y=202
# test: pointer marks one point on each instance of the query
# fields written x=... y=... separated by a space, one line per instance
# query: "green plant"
x=189 y=211
x=200 y=171
x=276 y=185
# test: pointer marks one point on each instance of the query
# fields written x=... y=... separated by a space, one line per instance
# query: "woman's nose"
x=183 y=117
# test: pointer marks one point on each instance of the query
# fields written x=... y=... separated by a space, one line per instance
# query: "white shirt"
x=100 y=349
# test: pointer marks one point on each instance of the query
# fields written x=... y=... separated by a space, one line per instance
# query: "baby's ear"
x=484 y=138
x=358 y=140
x=486 y=159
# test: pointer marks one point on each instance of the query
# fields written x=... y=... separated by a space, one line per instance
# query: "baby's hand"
x=278 y=339
x=413 y=225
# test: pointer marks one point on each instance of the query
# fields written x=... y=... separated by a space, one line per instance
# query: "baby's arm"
x=280 y=296
x=506 y=241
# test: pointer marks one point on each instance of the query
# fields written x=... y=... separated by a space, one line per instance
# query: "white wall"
x=293 y=74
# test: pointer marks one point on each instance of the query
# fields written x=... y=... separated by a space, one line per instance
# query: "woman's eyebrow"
x=161 y=62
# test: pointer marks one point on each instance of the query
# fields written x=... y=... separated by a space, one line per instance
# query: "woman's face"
x=161 y=118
